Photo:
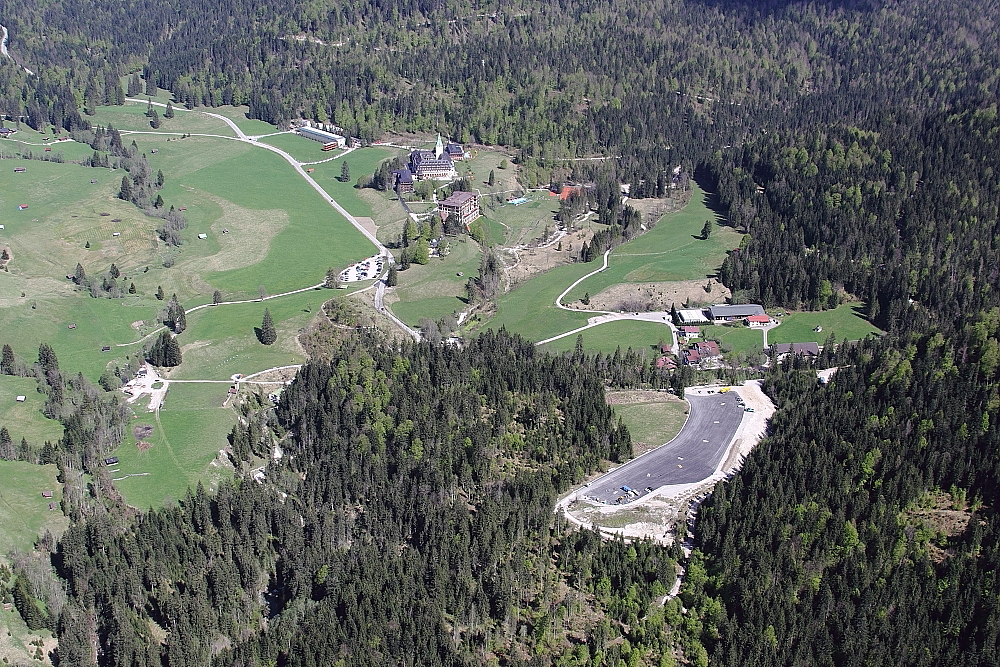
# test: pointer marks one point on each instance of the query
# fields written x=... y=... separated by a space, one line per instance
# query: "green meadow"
x=672 y=250
x=843 y=322
x=187 y=435
x=435 y=289
x=24 y=513
x=643 y=337
x=302 y=148
x=737 y=338
x=530 y=309
x=655 y=423
x=25 y=420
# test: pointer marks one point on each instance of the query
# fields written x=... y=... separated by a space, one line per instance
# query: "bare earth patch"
x=660 y=296
x=526 y=263
x=247 y=241
x=142 y=431
x=632 y=396
x=144 y=446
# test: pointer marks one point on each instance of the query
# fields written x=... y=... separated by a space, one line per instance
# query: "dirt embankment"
x=658 y=296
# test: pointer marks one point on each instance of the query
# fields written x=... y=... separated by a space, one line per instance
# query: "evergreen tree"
x=421 y=251
x=158 y=202
x=80 y=276
x=216 y=298
x=151 y=89
x=165 y=352
x=47 y=358
x=8 y=363
x=345 y=172
x=7 y=452
x=131 y=288
x=492 y=178
x=267 y=334
x=169 y=112
x=125 y=193
x=392 y=279
x=706 y=231
x=113 y=271
x=154 y=119
x=159 y=293
x=134 y=85
x=332 y=280
x=159 y=178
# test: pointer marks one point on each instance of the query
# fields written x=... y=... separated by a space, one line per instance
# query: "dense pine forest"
x=409 y=520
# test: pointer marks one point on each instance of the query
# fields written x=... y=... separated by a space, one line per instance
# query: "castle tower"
x=439 y=149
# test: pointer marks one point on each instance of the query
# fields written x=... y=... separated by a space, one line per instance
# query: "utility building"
x=322 y=136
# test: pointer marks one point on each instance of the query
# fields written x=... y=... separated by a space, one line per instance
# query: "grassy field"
x=360 y=162
x=843 y=322
x=643 y=337
x=191 y=429
x=667 y=252
x=530 y=309
x=25 y=420
x=239 y=116
x=132 y=116
x=220 y=341
x=653 y=424
x=303 y=149
x=24 y=514
x=736 y=338
x=434 y=290
x=672 y=250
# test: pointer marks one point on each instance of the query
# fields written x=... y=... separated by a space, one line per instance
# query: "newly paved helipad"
x=690 y=457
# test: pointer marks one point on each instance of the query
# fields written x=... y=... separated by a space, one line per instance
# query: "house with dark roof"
x=428 y=164
x=809 y=349
x=455 y=151
x=727 y=313
x=402 y=180
x=6 y=132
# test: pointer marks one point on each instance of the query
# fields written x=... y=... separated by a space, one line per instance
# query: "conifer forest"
x=410 y=518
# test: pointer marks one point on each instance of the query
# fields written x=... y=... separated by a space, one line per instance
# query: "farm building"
x=111 y=460
x=692 y=316
x=322 y=136
x=46 y=494
x=20 y=170
x=689 y=332
x=726 y=313
x=22 y=207
x=20 y=399
x=757 y=321
x=465 y=205
x=805 y=349
x=703 y=351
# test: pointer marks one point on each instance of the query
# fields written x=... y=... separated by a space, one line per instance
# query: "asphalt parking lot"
x=690 y=457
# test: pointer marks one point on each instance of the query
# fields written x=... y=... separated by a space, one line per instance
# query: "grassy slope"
x=640 y=336
x=24 y=514
x=669 y=251
x=739 y=338
x=653 y=424
x=192 y=429
x=843 y=322
x=433 y=290
x=25 y=420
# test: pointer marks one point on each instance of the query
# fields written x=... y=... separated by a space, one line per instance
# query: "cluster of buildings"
x=751 y=314
x=435 y=165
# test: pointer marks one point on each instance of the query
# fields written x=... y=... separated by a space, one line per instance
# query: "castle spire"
x=439 y=149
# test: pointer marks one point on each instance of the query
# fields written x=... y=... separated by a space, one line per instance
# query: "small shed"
x=20 y=170
x=46 y=494
x=52 y=506
x=116 y=233
x=203 y=236
x=70 y=326
x=111 y=460
x=22 y=207
x=106 y=348
x=20 y=399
